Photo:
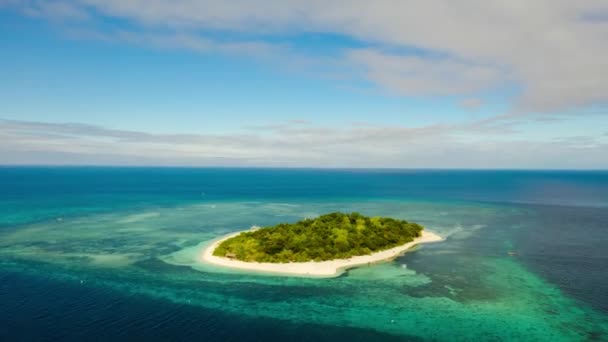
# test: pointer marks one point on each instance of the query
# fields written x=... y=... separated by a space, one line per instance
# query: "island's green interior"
x=331 y=236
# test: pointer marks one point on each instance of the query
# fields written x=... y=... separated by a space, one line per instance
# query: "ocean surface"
x=110 y=254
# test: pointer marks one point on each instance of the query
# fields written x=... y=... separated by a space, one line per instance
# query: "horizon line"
x=143 y=166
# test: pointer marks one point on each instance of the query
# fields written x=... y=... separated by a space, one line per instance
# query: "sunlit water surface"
x=114 y=254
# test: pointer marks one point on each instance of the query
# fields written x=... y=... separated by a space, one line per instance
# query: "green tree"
x=330 y=236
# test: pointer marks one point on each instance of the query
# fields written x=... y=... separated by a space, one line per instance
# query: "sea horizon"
x=299 y=167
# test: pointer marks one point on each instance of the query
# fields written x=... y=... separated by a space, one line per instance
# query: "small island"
x=323 y=246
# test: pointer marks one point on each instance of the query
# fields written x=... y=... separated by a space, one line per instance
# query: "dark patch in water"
x=36 y=308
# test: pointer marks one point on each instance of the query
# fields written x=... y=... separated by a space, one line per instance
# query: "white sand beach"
x=330 y=268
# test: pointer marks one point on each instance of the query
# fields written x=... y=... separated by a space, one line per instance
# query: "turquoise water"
x=112 y=253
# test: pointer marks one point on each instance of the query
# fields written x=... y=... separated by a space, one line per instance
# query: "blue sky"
x=304 y=83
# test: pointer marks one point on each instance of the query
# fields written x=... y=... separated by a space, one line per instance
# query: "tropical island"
x=323 y=246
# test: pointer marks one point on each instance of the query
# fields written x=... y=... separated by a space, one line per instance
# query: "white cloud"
x=554 y=51
x=410 y=75
x=550 y=48
x=298 y=144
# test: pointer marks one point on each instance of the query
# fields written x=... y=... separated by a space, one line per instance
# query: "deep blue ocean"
x=101 y=253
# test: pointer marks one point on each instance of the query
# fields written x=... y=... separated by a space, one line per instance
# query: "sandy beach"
x=331 y=268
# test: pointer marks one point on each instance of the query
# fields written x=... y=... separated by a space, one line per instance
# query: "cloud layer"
x=554 y=53
x=300 y=144
x=549 y=57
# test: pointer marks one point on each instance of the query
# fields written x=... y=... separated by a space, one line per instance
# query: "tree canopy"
x=327 y=237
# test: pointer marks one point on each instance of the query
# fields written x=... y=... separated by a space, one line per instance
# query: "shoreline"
x=329 y=268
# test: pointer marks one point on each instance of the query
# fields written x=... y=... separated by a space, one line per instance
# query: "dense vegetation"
x=331 y=236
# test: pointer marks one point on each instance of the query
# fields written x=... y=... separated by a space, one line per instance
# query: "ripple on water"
x=464 y=288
